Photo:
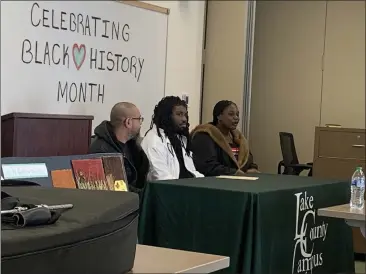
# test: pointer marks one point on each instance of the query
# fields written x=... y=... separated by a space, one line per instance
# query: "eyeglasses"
x=141 y=119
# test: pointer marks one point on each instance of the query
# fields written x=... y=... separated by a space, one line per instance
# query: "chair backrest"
x=288 y=149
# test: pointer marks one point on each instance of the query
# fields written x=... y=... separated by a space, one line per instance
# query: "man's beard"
x=134 y=136
x=183 y=131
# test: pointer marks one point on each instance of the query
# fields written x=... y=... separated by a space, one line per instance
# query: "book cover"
x=89 y=174
x=63 y=178
x=115 y=172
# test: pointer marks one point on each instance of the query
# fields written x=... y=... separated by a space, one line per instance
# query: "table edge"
x=210 y=267
x=218 y=262
x=327 y=212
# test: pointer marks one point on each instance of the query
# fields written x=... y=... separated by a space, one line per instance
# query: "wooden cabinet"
x=337 y=153
x=342 y=144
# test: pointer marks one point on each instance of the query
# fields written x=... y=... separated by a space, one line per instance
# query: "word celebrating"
x=307 y=231
x=77 y=55
x=79 y=23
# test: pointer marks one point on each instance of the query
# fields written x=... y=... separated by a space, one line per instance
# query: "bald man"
x=119 y=136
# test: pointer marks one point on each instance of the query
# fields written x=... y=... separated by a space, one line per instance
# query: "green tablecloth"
x=266 y=226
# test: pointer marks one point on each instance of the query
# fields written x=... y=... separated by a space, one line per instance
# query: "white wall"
x=184 y=60
x=287 y=78
x=343 y=95
x=292 y=90
x=225 y=54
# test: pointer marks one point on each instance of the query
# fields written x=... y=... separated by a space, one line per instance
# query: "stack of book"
x=105 y=173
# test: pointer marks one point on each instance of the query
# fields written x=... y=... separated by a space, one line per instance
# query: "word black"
x=46 y=54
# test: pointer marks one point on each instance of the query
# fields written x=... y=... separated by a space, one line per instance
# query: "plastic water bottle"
x=358 y=189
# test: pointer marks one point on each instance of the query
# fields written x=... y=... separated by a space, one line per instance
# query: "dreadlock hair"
x=162 y=119
x=219 y=109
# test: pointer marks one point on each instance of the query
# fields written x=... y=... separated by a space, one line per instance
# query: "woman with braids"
x=218 y=147
x=167 y=144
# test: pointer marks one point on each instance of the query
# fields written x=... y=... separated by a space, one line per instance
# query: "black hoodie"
x=135 y=159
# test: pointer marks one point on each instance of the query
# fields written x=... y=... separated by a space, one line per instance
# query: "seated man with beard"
x=167 y=143
x=119 y=136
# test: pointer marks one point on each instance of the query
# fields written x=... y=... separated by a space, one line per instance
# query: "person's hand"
x=253 y=170
x=239 y=172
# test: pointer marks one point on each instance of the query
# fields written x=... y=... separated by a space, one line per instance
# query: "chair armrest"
x=279 y=167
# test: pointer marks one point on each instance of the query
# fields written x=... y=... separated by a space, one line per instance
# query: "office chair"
x=290 y=162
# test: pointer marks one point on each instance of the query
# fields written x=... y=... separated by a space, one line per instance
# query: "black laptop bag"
x=97 y=236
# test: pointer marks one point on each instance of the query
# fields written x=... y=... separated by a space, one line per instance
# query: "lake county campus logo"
x=308 y=232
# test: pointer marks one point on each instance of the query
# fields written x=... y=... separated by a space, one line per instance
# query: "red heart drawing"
x=78 y=55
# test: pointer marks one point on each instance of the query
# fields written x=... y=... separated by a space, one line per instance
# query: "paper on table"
x=237 y=177
x=25 y=171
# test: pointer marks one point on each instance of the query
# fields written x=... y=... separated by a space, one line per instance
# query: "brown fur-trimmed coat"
x=212 y=154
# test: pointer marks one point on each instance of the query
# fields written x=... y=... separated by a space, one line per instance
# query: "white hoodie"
x=164 y=164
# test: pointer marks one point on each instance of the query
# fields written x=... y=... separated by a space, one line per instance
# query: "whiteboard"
x=81 y=57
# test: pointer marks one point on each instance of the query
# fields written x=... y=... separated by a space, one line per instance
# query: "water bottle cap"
x=359 y=168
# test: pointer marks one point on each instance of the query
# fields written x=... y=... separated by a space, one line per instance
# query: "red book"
x=89 y=174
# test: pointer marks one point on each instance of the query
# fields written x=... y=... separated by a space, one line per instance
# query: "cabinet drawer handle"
x=359 y=146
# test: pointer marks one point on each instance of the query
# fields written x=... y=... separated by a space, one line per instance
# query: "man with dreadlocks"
x=167 y=143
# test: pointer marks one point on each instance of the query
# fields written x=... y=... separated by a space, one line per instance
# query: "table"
x=353 y=217
x=265 y=226
x=151 y=259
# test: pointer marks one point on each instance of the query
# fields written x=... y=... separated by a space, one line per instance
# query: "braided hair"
x=162 y=119
x=219 y=109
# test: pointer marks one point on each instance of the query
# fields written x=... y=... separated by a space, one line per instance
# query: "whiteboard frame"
x=147 y=6
x=159 y=9
x=166 y=54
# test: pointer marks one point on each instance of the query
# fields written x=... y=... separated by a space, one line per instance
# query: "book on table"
x=89 y=174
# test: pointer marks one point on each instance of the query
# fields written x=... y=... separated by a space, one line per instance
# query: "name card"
x=238 y=177
x=23 y=171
